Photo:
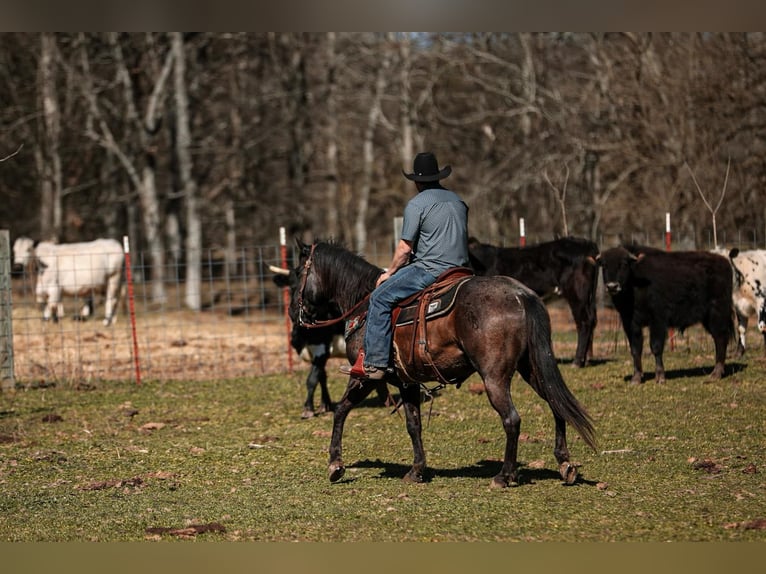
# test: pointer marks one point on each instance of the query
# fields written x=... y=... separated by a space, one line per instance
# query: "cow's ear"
x=640 y=257
x=733 y=253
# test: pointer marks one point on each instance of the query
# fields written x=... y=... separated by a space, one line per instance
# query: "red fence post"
x=522 y=233
x=131 y=307
x=286 y=297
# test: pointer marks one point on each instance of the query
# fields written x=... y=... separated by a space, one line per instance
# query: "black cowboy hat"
x=426 y=168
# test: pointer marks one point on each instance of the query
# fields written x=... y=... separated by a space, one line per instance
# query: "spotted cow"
x=749 y=292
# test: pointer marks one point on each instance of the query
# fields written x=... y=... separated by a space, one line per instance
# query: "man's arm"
x=400 y=259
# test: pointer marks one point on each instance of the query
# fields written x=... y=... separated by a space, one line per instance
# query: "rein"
x=301 y=309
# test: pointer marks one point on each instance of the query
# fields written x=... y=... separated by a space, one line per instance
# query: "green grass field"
x=232 y=460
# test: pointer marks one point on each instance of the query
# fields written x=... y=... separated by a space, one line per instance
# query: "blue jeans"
x=379 y=334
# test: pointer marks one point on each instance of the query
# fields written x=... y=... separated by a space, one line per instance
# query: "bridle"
x=302 y=321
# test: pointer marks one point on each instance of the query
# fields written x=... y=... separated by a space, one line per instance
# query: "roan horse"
x=496 y=327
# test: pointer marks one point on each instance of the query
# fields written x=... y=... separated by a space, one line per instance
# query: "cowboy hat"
x=426 y=168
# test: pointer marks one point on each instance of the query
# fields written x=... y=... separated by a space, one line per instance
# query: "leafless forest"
x=187 y=142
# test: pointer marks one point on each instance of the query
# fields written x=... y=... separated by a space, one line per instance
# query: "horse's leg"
x=410 y=396
x=356 y=391
x=567 y=470
x=384 y=396
x=498 y=387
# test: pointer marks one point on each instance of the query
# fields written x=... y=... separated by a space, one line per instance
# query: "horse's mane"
x=348 y=274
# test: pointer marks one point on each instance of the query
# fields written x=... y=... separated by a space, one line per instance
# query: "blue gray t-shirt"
x=436 y=222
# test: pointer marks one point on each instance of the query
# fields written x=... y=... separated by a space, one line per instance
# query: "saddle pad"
x=439 y=305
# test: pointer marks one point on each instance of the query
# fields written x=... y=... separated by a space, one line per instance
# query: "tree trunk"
x=333 y=199
x=50 y=161
x=368 y=152
x=188 y=184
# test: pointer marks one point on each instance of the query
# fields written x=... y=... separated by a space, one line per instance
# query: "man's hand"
x=382 y=277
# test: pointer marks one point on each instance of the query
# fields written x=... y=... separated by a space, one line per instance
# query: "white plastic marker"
x=131 y=307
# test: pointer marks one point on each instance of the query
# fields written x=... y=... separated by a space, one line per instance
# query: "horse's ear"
x=304 y=248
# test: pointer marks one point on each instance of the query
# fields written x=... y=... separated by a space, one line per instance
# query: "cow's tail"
x=546 y=377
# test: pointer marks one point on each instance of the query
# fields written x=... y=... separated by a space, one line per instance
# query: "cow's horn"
x=279 y=270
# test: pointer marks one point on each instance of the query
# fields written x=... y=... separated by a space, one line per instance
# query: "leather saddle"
x=409 y=319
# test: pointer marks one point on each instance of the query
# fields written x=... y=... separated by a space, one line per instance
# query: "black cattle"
x=316 y=345
x=564 y=267
x=657 y=289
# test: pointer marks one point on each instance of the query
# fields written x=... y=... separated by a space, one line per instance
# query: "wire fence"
x=241 y=330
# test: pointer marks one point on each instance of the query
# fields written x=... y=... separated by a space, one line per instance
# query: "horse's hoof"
x=307 y=414
x=568 y=473
x=501 y=482
x=413 y=478
x=336 y=472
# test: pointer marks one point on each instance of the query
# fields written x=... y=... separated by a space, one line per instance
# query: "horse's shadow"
x=591 y=362
x=486 y=469
x=729 y=369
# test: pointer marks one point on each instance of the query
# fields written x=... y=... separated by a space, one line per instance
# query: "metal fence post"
x=7 y=380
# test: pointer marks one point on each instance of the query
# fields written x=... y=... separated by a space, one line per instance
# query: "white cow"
x=749 y=291
x=76 y=269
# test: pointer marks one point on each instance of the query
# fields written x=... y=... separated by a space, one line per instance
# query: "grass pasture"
x=232 y=460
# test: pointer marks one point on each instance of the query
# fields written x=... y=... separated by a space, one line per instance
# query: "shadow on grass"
x=730 y=369
x=590 y=363
x=486 y=469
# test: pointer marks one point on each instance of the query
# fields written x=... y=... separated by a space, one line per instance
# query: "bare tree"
x=368 y=148
x=188 y=183
x=47 y=155
x=331 y=151
x=713 y=210
x=141 y=168
x=561 y=197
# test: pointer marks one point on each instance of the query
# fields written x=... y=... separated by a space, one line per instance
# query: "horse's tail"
x=546 y=376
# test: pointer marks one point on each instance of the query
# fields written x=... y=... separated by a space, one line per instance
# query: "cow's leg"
x=317 y=376
x=112 y=295
x=721 y=341
x=87 y=308
x=636 y=340
x=657 y=335
x=356 y=391
x=583 y=307
x=54 y=309
x=742 y=321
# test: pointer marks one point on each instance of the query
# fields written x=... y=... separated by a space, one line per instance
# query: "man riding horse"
x=434 y=239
